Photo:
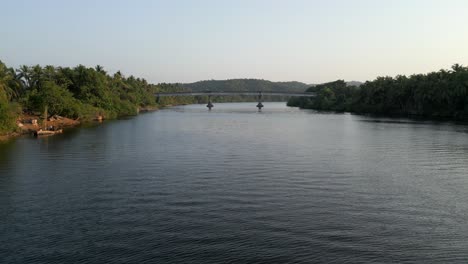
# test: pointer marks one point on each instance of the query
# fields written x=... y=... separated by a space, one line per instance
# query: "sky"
x=311 y=41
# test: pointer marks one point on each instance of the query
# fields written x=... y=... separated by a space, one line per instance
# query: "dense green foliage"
x=78 y=92
x=442 y=94
x=333 y=96
x=7 y=121
x=81 y=91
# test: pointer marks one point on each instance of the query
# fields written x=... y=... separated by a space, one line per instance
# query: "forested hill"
x=350 y=83
x=246 y=85
x=354 y=83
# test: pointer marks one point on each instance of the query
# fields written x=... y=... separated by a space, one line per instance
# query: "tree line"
x=78 y=92
x=84 y=92
x=441 y=94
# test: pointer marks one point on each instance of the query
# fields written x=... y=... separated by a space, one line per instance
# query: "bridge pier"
x=259 y=105
x=209 y=105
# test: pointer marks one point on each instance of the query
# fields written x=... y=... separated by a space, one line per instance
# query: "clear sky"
x=184 y=41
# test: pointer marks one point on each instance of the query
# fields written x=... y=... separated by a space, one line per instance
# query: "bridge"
x=258 y=94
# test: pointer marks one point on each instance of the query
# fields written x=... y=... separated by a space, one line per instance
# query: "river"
x=184 y=185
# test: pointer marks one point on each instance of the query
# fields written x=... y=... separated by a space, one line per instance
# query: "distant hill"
x=354 y=83
x=246 y=85
x=350 y=83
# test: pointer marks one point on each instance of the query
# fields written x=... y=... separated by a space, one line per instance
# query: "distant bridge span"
x=258 y=94
x=208 y=93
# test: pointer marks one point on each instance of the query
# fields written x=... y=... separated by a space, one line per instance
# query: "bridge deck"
x=234 y=93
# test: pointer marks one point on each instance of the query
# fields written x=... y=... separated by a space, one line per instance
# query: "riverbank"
x=7 y=136
x=78 y=92
x=28 y=124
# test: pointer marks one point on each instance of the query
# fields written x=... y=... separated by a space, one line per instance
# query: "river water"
x=184 y=185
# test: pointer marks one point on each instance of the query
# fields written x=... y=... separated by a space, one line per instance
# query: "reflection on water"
x=237 y=185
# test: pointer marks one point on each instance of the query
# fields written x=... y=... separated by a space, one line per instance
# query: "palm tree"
x=118 y=75
x=9 y=82
x=49 y=72
x=4 y=76
x=37 y=75
x=100 y=69
x=15 y=84
x=458 y=68
x=24 y=73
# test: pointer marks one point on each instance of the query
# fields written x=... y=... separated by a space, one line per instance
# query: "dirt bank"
x=30 y=123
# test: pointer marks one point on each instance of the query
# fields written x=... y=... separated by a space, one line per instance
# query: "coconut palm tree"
x=5 y=82
x=100 y=69
x=24 y=73
x=15 y=84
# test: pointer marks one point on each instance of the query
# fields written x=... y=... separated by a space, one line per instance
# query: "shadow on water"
x=386 y=121
x=461 y=127
x=408 y=119
x=5 y=152
x=439 y=123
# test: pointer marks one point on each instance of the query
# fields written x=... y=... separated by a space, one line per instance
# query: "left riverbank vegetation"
x=441 y=94
x=78 y=93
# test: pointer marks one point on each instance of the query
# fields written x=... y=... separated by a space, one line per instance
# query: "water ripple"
x=184 y=185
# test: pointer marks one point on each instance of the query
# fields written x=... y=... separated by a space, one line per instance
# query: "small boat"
x=41 y=132
x=51 y=130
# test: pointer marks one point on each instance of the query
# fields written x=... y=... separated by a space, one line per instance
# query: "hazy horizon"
x=188 y=41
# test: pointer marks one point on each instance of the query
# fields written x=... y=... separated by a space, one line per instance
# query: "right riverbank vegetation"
x=441 y=94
